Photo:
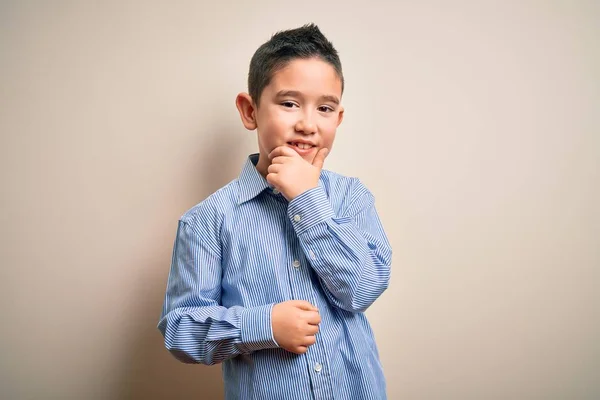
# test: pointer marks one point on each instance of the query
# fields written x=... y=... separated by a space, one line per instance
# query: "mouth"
x=302 y=148
x=301 y=145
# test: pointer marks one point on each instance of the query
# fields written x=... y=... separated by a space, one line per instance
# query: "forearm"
x=350 y=254
x=352 y=274
x=213 y=334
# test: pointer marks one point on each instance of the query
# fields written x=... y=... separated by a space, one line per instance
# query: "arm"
x=196 y=328
x=350 y=253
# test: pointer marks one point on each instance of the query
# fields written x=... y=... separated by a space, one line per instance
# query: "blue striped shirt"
x=246 y=248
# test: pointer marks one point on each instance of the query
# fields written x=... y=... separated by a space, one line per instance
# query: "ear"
x=340 y=116
x=247 y=110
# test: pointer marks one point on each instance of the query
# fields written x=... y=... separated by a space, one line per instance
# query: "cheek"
x=273 y=129
x=328 y=130
x=282 y=121
x=278 y=125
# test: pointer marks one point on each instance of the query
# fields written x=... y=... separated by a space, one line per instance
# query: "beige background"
x=476 y=126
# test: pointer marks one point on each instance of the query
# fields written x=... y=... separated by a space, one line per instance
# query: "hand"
x=295 y=324
x=291 y=174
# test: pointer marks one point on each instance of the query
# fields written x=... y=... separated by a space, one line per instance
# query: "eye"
x=326 y=109
x=288 y=104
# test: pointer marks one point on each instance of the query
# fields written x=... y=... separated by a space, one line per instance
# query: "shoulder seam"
x=197 y=233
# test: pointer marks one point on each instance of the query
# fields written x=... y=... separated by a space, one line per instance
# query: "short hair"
x=283 y=47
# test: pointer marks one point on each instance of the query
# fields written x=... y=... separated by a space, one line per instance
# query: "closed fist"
x=295 y=324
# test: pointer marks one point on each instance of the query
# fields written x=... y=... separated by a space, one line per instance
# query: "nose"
x=306 y=125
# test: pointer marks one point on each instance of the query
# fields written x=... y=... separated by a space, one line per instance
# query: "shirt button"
x=297 y=218
x=312 y=255
x=318 y=367
x=296 y=264
x=275 y=191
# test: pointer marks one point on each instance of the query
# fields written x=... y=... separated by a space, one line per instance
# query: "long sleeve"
x=350 y=252
x=196 y=328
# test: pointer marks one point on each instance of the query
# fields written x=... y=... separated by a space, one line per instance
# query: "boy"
x=271 y=274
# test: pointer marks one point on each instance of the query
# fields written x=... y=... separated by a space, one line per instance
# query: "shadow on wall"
x=149 y=371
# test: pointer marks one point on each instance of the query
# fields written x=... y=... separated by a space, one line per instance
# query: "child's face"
x=300 y=108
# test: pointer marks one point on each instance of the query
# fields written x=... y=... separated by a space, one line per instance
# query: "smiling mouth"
x=303 y=146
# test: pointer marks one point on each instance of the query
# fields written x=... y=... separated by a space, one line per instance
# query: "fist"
x=295 y=324
x=291 y=174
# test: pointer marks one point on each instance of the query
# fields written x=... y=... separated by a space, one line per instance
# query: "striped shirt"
x=246 y=248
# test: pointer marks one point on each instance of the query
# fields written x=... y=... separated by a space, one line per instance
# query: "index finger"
x=282 y=151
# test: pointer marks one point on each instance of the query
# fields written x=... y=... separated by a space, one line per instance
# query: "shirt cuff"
x=256 y=328
x=309 y=209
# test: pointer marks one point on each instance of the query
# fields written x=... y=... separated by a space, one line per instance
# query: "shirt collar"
x=251 y=182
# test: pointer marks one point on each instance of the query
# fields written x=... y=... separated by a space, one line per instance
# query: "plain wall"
x=475 y=124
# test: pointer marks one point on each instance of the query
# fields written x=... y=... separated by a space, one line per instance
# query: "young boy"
x=271 y=274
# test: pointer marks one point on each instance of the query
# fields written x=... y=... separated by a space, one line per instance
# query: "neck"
x=262 y=165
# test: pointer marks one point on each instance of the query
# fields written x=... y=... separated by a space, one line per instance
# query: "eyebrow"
x=295 y=93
